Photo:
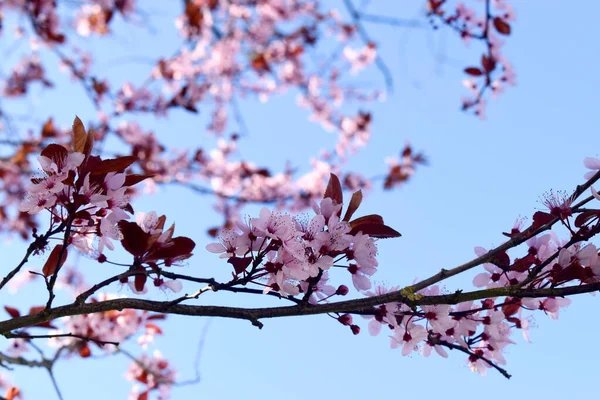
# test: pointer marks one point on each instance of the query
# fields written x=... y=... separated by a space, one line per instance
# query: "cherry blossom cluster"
x=28 y=71
x=102 y=331
x=293 y=256
x=88 y=197
x=151 y=374
x=110 y=326
x=233 y=50
x=483 y=329
x=494 y=72
x=82 y=191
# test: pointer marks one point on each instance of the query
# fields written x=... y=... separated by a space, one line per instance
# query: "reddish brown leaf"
x=160 y=224
x=79 y=135
x=84 y=351
x=179 y=246
x=132 y=179
x=190 y=107
x=523 y=264
x=152 y=240
x=154 y=327
x=572 y=272
x=239 y=263
x=49 y=130
x=375 y=230
x=100 y=87
x=55 y=152
x=259 y=63
x=367 y=219
x=83 y=214
x=473 y=71
x=89 y=143
x=135 y=240
x=113 y=165
x=38 y=309
x=354 y=204
x=139 y=282
x=213 y=232
x=12 y=393
x=334 y=190
x=156 y=316
x=501 y=260
x=511 y=309
x=488 y=64
x=501 y=26
x=143 y=396
x=55 y=260
x=585 y=217
x=12 y=311
x=541 y=218
x=194 y=15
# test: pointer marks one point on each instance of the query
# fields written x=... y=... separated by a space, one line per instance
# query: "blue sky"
x=482 y=176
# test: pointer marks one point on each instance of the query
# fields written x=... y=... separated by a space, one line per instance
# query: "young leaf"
x=113 y=165
x=37 y=309
x=541 y=218
x=156 y=316
x=48 y=129
x=512 y=308
x=473 y=71
x=53 y=263
x=367 y=219
x=12 y=393
x=55 y=152
x=334 y=189
x=133 y=179
x=488 y=63
x=79 y=135
x=154 y=327
x=376 y=230
x=501 y=26
x=179 y=246
x=139 y=282
x=354 y=204
x=501 y=260
x=84 y=351
x=239 y=263
x=89 y=143
x=12 y=311
x=135 y=240
x=585 y=217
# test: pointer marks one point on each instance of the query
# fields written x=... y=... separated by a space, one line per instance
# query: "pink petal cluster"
x=290 y=255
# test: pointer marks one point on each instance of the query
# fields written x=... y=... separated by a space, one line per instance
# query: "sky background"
x=482 y=176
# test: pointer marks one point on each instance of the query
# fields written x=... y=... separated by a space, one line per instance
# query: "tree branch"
x=255 y=314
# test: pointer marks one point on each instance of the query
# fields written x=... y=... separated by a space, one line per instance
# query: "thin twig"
x=101 y=343
x=453 y=346
x=379 y=63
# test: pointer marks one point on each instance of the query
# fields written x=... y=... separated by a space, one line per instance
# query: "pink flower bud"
x=342 y=290
x=345 y=319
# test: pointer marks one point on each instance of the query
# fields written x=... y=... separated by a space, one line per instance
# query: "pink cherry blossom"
x=409 y=338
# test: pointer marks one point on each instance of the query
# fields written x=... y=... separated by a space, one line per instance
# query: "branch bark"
x=255 y=314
